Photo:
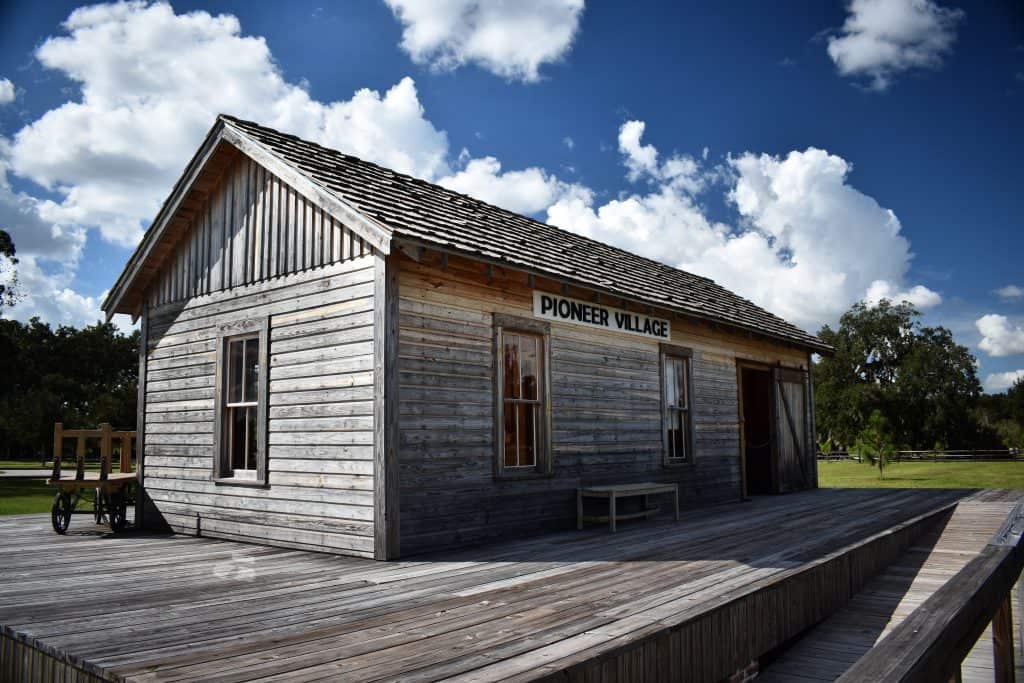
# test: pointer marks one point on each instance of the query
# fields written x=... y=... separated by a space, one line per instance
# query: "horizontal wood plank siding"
x=252 y=228
x=260 y=250
x=605 y=401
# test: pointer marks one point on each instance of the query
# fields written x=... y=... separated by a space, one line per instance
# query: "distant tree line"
x=81 y=377
x=917 y=378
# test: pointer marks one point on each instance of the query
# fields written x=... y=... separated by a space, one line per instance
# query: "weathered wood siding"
x=252 y=228
x=321 y=375
x=605 y=401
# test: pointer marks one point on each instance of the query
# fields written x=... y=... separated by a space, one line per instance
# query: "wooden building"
x=343 y=358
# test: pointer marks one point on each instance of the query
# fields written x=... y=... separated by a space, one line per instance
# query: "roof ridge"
x=471 y=198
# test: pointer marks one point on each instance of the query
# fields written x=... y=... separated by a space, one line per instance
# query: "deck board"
x=174 y=608
x=828 y=650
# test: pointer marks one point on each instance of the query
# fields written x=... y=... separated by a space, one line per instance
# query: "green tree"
x=918 y=378
x=874 y=445
x=80 y=377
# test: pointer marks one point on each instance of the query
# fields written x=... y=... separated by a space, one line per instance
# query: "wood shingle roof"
x=414 y=209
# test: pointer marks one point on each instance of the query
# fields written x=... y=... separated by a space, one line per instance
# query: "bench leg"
x=677 y=502
x=579 y=510
x=611 y=513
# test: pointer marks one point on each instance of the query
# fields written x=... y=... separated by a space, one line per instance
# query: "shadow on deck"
x=694 y=600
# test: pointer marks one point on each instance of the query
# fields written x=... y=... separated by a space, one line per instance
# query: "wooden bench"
x=615 y=491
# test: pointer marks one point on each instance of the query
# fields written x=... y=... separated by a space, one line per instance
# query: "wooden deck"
x=659 y=600
x=831 y=648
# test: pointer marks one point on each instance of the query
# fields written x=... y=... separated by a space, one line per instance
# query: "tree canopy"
x=921 y=381
x=81 y=377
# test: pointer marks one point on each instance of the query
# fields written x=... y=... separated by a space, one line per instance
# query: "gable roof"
x=387 y=205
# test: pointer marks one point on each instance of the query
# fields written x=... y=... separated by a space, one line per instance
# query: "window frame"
x=544 y=465
x=684 y=354
x=258 y=329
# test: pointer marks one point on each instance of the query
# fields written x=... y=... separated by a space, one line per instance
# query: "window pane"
x=527 y=419
x=250 y=438
x=671 y=383
x=681 y=368
x=252 y=370
x=677 y=434
x=511 y=444
x=235 y=371
x=528 y=374
x=236 y=437
x=511 y=370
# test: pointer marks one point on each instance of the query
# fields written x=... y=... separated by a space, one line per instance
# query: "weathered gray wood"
x=385 y=414
x=693 y=601
x=140 y=417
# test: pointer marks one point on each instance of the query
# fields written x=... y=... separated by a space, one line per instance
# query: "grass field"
x=20 y=496
x=923 y=475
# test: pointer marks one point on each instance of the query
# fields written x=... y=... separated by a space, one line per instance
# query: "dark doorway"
x=756 y=411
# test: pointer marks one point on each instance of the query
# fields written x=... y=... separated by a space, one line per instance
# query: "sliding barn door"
x=794 y=453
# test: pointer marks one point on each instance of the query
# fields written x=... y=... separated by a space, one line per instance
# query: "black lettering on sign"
x=561 y=308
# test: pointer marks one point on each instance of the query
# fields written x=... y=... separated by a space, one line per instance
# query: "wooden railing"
x=932 y=642
x=933 y=455
x=107 y=437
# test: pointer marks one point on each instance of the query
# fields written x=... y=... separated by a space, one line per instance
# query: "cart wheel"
x=60 y=513
x=118 y=512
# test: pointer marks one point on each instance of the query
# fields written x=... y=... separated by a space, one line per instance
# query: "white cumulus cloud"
x=1010 y=292
x=807 y=244
x=152 y=82
x=882 y=38
x=918 y=295
x=509 y=39
x=6 y=91
x=999 y=337
x=1001 y=381
x=527 y=191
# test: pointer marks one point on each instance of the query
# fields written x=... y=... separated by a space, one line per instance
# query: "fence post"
x=58 y=446
x=1002 y=642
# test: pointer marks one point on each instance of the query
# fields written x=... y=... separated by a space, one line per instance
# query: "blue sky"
x=805 y=154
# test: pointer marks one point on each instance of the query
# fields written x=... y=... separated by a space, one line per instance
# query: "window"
x=676 y=395
x=241 y=406
x=522 y=412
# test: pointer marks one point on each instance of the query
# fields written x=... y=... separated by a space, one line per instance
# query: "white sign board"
x=563 y=309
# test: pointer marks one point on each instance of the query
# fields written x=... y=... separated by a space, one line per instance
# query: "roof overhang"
x=222 y=145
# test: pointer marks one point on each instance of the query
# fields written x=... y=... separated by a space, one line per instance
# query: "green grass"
x=923 y=475
x=21 y=496
x=24 y=464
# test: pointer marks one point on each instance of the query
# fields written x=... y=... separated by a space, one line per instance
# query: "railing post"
x=1002 y=641
x=80 y=457
x=105 y=448
x=58 y=446
x=126 y=452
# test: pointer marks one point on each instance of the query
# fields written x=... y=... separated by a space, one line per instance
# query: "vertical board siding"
x=252 y=253
x=606 y=412
x=252 y=228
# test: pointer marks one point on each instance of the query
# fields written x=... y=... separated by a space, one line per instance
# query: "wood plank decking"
x=836 y=644
x=726 y=583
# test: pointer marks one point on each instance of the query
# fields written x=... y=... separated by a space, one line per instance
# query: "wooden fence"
x=107 y=438
x=931 y=643
x=934 y=456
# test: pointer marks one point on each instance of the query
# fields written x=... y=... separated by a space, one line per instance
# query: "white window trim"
x=258 y=329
